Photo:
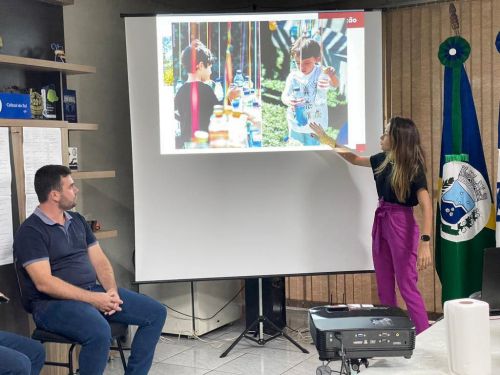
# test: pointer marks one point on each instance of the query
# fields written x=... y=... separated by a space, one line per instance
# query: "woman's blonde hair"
x=405 y=155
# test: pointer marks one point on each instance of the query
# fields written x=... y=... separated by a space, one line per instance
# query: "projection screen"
x=234 y=214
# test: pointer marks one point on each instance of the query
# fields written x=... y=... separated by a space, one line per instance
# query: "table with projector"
x=430 y=356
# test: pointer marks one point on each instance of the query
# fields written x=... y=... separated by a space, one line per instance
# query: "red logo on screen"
x=360 y=147
x=354 y=19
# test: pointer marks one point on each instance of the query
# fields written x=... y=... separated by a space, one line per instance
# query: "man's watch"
x=425 y=238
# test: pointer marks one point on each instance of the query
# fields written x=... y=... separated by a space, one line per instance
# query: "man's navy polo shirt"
x=64 y=246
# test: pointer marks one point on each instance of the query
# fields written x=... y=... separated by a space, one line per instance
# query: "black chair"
x=118 y=331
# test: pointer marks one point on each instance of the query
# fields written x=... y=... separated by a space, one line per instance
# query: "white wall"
x=95 y=35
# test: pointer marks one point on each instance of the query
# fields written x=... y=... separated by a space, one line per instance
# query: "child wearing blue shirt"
x=305 y=91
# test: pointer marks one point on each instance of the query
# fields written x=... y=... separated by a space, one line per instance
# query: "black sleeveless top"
x=383 y=182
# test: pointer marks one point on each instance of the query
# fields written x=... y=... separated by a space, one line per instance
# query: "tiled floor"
x=183 y=356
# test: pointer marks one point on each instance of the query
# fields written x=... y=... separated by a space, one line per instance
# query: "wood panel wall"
x=413 y=88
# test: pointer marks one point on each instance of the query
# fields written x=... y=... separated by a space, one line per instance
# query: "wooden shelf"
x=82 y=126
x=29 y=123
x=94 y=174
x=58 y=2
x=103 y=234
x=45 y=65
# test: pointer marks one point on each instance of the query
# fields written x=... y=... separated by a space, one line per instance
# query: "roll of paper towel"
x=468 y=336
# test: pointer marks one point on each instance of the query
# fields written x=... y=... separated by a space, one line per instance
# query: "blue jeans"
x=20 y=355
x=86 y=325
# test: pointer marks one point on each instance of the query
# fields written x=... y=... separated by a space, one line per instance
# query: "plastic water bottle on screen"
x=247 y=100
x=252 y=99
x=255 y=128
x=299 y=107
x=322 y=88
x=238 y=78
x=218 y=90
x=255 y=137
x=254 y=112
x=237 y=105
x=257 y=110
x=178 y=85
x=247 y=83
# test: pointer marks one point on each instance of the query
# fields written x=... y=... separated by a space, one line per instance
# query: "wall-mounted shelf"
x=58 y=2
x=82 y=126
x=45 y=65
x=24 y=123
x=93 y=174
x=8 y=122
x=103 y=234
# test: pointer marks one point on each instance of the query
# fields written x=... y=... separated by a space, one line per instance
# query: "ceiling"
x=283 y=5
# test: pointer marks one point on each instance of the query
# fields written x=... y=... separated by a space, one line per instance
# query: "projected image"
x=255 y=83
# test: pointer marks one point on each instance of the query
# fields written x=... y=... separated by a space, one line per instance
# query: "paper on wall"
x=41 y=146
x=6 y=231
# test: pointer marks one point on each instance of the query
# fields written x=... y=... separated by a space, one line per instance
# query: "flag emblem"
x=465 y=202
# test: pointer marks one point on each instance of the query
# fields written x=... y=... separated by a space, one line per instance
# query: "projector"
x=345 y=332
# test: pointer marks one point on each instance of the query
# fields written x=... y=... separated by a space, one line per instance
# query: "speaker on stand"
x=273 y=298
x=274 y=291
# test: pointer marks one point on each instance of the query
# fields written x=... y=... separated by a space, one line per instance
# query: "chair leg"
x=122 y=356
x=70 y=359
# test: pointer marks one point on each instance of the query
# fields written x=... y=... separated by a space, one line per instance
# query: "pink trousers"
x=395 y=239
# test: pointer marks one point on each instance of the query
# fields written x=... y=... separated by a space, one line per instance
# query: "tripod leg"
x=276 y=328
x=235 y=342
x=346 y=366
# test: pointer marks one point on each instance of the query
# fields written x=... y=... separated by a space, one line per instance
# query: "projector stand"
x=260 y=322
x=345 y=364
x=355 y=364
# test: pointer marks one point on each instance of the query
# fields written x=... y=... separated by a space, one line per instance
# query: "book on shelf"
x=69 y=105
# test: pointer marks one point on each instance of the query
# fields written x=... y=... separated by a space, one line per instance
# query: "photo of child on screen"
x=305 y=91
x=194 y=101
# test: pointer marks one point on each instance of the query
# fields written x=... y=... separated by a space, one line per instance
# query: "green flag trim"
x=457 y=157
x=456 y=112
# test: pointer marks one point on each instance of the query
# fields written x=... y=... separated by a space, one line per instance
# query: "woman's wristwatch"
x=425 y=238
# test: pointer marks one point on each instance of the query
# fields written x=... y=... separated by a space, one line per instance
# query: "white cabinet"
x=201 y=299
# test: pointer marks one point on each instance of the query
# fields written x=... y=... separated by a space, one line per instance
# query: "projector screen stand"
x=260 y=323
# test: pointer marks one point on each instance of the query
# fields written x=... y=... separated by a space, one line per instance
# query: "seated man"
x=59 y=263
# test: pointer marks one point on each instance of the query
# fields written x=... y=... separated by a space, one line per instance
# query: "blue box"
x=15 y=105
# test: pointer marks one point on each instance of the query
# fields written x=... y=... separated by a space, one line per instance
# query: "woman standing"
x=398 y=250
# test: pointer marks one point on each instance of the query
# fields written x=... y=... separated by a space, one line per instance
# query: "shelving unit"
x=45 y=27
x=16 y=125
